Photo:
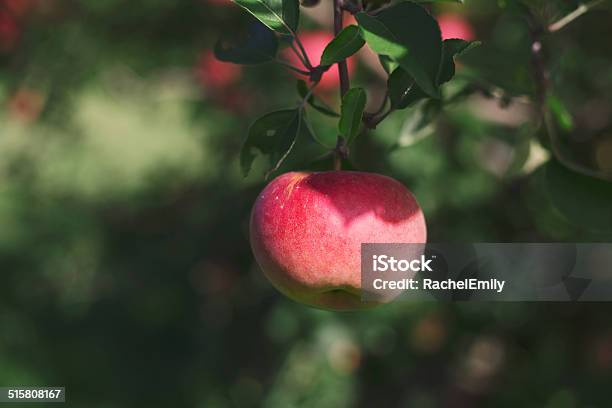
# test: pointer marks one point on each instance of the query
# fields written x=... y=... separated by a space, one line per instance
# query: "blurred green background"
x=126 y=269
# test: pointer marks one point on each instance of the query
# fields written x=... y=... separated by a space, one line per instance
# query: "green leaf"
x=450 y=49
x=583 y=201
x=403 y=91
x=314 y=102
x=353 y=105
x=273 y=135
x=408 y=34
x=346 y=43
x=560 y=112
x=260 y=46
x=388 y=64
x=281 y=16
x=291 y=13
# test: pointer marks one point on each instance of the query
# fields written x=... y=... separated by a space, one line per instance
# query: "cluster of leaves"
x=406 y=37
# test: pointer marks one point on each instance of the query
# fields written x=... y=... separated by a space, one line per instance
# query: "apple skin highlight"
x=306 y=232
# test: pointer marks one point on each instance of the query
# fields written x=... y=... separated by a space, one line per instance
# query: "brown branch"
x=341 y=150
x=342 y=65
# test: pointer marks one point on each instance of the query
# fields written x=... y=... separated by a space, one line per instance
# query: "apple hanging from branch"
x=306 y=228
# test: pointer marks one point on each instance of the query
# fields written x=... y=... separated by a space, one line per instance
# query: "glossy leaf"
x=281 y=16
x=409 y=35
x=346 y=43
x=273 y=135
x=388 y=64
x=452 y=48
x=403 y=91
x=353 y=105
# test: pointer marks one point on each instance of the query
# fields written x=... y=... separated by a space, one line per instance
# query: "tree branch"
x=342 y=65
x=582 y=9
x=301 y=53
x=291 y=67
x=341 y=150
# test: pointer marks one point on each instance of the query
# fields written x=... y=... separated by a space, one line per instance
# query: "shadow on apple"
x=306 y=232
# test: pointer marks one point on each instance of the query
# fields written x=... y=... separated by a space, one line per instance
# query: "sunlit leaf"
x=281 y=16
x=409 y=35
x=388 y=64
x=560 y=113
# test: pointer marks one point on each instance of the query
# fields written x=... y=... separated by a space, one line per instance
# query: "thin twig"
x=582 y=9
x=291 y=67
x=298 y=54
x=375 y=120
x=304 y=54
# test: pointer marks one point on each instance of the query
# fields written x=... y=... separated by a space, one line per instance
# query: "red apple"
x=455 y=26
x=307 y=229
x=215 y=74
x=314 y=43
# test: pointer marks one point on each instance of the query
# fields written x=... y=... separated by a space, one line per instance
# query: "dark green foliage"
x=260 y=46
x=346 y=43
x=127 y=274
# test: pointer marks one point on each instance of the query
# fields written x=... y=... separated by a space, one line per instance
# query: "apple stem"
x=337 y=163
x=340 y=152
